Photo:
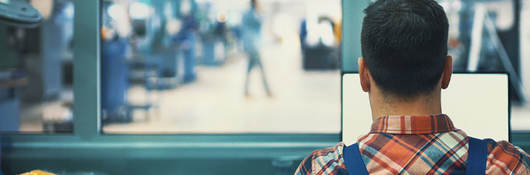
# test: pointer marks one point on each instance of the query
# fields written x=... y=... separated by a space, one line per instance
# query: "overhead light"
x=117 y=12
x=139 y=10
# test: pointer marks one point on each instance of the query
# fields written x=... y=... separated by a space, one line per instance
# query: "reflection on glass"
x=227 y=66
x=471 y=43
x=484 y=37
x=36 y=72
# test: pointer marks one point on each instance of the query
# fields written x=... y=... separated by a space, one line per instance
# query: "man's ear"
x=447 y=72
x=364 y=75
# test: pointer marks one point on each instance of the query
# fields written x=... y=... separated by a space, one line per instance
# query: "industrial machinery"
x=19 y=13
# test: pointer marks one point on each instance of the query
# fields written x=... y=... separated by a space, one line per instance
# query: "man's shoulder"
x=330 y=152
x=506 y=158
x=327 y=160
x=503 y=158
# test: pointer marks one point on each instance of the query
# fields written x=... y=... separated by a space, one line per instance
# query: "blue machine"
x=9 y=98
x=9 y=105
x=160 y=53
x=114 y=82
x=212 y=33
x=21 y=14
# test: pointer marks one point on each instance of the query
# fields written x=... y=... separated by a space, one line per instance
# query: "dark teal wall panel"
x=86 y=68
x=159 y=166
x=173 y=154
x=352 y=15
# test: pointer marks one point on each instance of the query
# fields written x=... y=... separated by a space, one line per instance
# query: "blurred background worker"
x=115 y=35
x=186 y=37
x=251 y=42
x=183 y=56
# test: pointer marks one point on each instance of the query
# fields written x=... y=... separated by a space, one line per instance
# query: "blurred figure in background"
x=115 y=34
x=251 y=41
x=186 y=37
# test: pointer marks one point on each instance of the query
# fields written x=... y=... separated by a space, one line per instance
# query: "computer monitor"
x=476 y=103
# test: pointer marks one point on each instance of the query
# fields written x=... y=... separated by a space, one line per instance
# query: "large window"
x=484 y=37
x=199 y=66
x=36 y=71
x=478 y=31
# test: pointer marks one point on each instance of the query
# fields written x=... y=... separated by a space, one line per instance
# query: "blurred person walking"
x=187 y=25
x=251 y=41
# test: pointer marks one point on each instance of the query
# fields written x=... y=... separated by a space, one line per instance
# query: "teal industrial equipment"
x=16 y=13
x=19 y=13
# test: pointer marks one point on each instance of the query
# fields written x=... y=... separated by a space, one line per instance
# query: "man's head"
x=404 y=48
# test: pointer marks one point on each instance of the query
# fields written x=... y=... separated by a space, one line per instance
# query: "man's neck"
x=423 y=105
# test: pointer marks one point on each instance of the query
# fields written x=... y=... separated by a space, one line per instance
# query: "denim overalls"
x=476 y=161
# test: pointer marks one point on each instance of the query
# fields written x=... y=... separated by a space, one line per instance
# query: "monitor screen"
x=476 y=103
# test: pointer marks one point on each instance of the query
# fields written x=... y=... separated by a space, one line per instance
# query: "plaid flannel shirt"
x=416 y=145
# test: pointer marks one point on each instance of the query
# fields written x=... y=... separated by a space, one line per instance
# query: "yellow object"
x=37 y=172
x=338 y=31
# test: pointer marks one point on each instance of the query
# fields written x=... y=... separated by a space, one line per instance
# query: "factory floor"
x=301 y=101
x=520 y=117
x=34 y=116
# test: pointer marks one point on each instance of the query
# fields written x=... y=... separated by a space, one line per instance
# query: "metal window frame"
x=88 y=142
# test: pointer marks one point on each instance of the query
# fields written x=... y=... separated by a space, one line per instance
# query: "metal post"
x=86 y=68
x=352 y=17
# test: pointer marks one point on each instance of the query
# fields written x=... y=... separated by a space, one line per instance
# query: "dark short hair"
x=404 y=44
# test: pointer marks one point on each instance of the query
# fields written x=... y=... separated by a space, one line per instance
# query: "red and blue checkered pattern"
x=417 y=145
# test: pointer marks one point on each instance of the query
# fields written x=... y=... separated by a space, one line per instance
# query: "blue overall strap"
x=353 y=160
x=477 y=156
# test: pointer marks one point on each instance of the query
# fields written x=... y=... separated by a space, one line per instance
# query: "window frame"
x=88 y=140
